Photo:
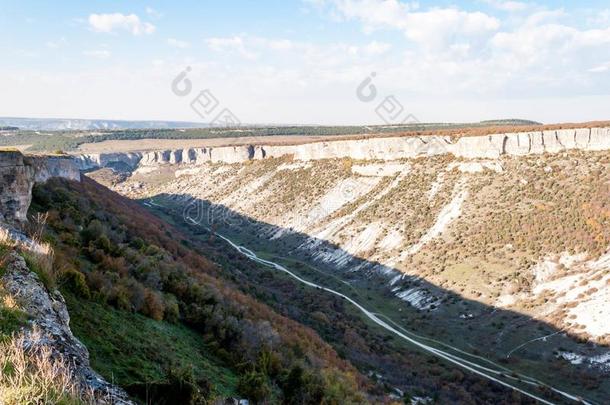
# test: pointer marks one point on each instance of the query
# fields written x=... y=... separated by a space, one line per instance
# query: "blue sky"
x=302 y=61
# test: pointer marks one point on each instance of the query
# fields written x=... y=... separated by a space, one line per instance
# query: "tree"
x=254 y=386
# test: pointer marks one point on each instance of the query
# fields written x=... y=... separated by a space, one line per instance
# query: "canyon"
x=453 y=230
x=502 y=239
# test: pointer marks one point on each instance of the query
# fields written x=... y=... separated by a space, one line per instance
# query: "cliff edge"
x=379 y=148
x=19 y=173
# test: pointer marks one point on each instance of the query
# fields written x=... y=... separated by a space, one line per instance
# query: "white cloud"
x=98 y=54
x=441 y=63
x=434 y=28
x=603 y=68
x=377 y=48
x=280 y=44
x=439 y=28
x=117 y=21
x=448 y=51
x=177 y=43
x=235 y=44
x=374 y=13
x=510 y=6
x=56 y=44
x=289 y=53
x=153 y=13
x=603 y=17
x=545 y=16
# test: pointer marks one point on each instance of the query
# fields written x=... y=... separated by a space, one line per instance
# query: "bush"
x=74 y=281
x=154 y=306
x=254 y=386
x=172 y=308
x=181 y=387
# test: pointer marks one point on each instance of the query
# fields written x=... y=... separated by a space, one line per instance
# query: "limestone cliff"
x=16 y=180
x=19 y=173
x=378 y=148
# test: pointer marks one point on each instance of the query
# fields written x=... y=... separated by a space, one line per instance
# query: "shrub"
x=172 y=309
x=254 y=386
x=11 y=319
x=74 y=281
x=181 y=387
x=94 y=230
x=154 y=306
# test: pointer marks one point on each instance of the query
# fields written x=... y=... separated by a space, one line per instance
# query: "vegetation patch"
x=133 y=350
x=144 y=302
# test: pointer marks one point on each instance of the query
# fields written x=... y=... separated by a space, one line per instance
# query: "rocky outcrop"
x=95 y=161
x=47 y=167
x=19 y=173
x=49 y=326
x=16 y=181
x=386 y=148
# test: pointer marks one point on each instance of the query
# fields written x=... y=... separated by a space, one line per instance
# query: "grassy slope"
x=126 y=348
x=109 y=334
x=131 y=349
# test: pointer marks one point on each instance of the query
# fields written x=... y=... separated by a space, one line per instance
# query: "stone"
x=18 y=174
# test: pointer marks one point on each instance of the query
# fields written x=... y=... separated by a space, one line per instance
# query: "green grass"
x=43 y=270
x=10 y=321
x=131 y=349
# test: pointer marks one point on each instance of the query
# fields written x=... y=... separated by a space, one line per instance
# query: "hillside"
x=320 y=272
x=503 y=255
x=154 y=315
x=127 y=260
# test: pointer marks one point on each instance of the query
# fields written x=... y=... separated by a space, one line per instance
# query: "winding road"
x=485 y=372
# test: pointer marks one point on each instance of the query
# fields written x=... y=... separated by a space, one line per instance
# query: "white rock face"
x=97 y=160
x=585 y=290
x=386 y=149
x=379 y=169
x=18 y=174
x=47 y=167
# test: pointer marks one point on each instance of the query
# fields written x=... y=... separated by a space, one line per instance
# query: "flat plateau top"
x=142 y=145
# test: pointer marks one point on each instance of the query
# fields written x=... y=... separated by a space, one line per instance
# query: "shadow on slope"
x=435 y=316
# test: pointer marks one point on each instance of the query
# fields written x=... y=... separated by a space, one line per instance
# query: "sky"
x=306 y=61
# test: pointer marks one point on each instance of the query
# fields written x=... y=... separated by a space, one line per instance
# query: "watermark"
x=390 y=110
x=201 y=212
x=205 y=104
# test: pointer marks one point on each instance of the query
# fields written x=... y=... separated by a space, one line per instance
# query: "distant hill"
x=70 y=124
x=65 y=124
